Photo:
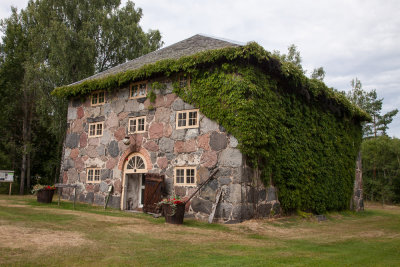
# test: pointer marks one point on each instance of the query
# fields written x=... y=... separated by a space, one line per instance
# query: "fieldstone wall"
x=207 y=147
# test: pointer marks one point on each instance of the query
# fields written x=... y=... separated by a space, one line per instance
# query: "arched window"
x=135 y=164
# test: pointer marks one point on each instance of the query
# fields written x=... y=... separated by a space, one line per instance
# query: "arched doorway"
x=135 y=168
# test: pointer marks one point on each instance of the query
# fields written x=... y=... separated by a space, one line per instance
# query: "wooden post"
x=59 y=196
x=74 y=196
x=9 y=192
x=59 y=186
x=200 y=186
x=110 y=187
x=214 y=206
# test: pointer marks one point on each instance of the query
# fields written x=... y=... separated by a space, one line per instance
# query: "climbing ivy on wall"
x=308 y=152
x=300 y=134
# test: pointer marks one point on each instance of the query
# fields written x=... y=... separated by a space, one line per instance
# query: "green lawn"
x=33 y=234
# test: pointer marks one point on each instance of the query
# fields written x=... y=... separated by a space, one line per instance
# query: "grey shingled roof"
x=190 y=46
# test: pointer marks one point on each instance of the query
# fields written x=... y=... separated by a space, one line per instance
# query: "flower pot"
x=174 y=214
x=45 y=196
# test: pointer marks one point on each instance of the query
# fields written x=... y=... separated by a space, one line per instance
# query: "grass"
x=34 y=234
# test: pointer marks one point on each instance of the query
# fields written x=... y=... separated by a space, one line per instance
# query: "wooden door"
x=154 y=186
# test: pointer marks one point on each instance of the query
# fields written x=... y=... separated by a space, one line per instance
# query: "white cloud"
x=358 y=38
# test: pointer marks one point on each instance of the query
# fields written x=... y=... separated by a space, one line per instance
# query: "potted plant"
x=44 y=193
x=173 y=209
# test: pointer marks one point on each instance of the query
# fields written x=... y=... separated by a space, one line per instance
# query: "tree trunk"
x=25 y=138
x=28 y=171
x=24 y=153
x=28 y=156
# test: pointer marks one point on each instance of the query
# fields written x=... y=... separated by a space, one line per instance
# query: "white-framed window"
x=187 y=119
x=138 y=90
x=137 y=125
x=183 y=80
x=135 y=164
x=93 y=175
x=96 y=129
x=98 y=98
x=185 y=176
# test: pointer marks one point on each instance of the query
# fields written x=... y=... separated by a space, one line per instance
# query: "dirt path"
x=14 y=236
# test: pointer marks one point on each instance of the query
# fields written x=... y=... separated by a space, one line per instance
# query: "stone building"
x=124 y=138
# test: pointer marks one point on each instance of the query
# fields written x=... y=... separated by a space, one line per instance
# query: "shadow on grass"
x=83 y=207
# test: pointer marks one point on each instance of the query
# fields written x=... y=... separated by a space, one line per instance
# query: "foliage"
x=173 y=201
x=318 y=74
x=381 y=168
x=369 y=102
x=297 y=131
x=48 y=44
x=36 y=188
x=293 y=56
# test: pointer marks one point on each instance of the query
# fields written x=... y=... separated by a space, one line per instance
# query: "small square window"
x=138 y=90
x=93 y=175
x=183 y=80
x=98 y=98
x=185 y=176
x=137 y=125
x=95 y=129
x=187 y=119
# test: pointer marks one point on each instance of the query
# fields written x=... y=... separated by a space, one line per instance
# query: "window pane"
x=101 y=97
x=132 y=127
x=182 y=81
x=97 y=175
x=99 y=129
x=180 y=173
x=142 y=89
x=134 y=90
x=139 y=163
x=190 y=176
x=181 y=119
x=90 y=175
x=94 y=99
x=131 y=164
x=92 y=129
x=140 y=124
x=192 y=118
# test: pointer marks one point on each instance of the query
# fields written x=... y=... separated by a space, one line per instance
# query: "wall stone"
x=230 y=157
x=207 y=125
x=72 y=140
x=71 y=113
x=162 y=162
x=178 y=104
x=156 y=130
x=218 y=141
x=113 y=149
x=233 y=142
x=166 y=144
x=209 y=159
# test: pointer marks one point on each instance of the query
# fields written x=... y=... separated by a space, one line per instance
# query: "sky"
x=348 y=38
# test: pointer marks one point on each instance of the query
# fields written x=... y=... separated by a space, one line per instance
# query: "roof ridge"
x=222 y=39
